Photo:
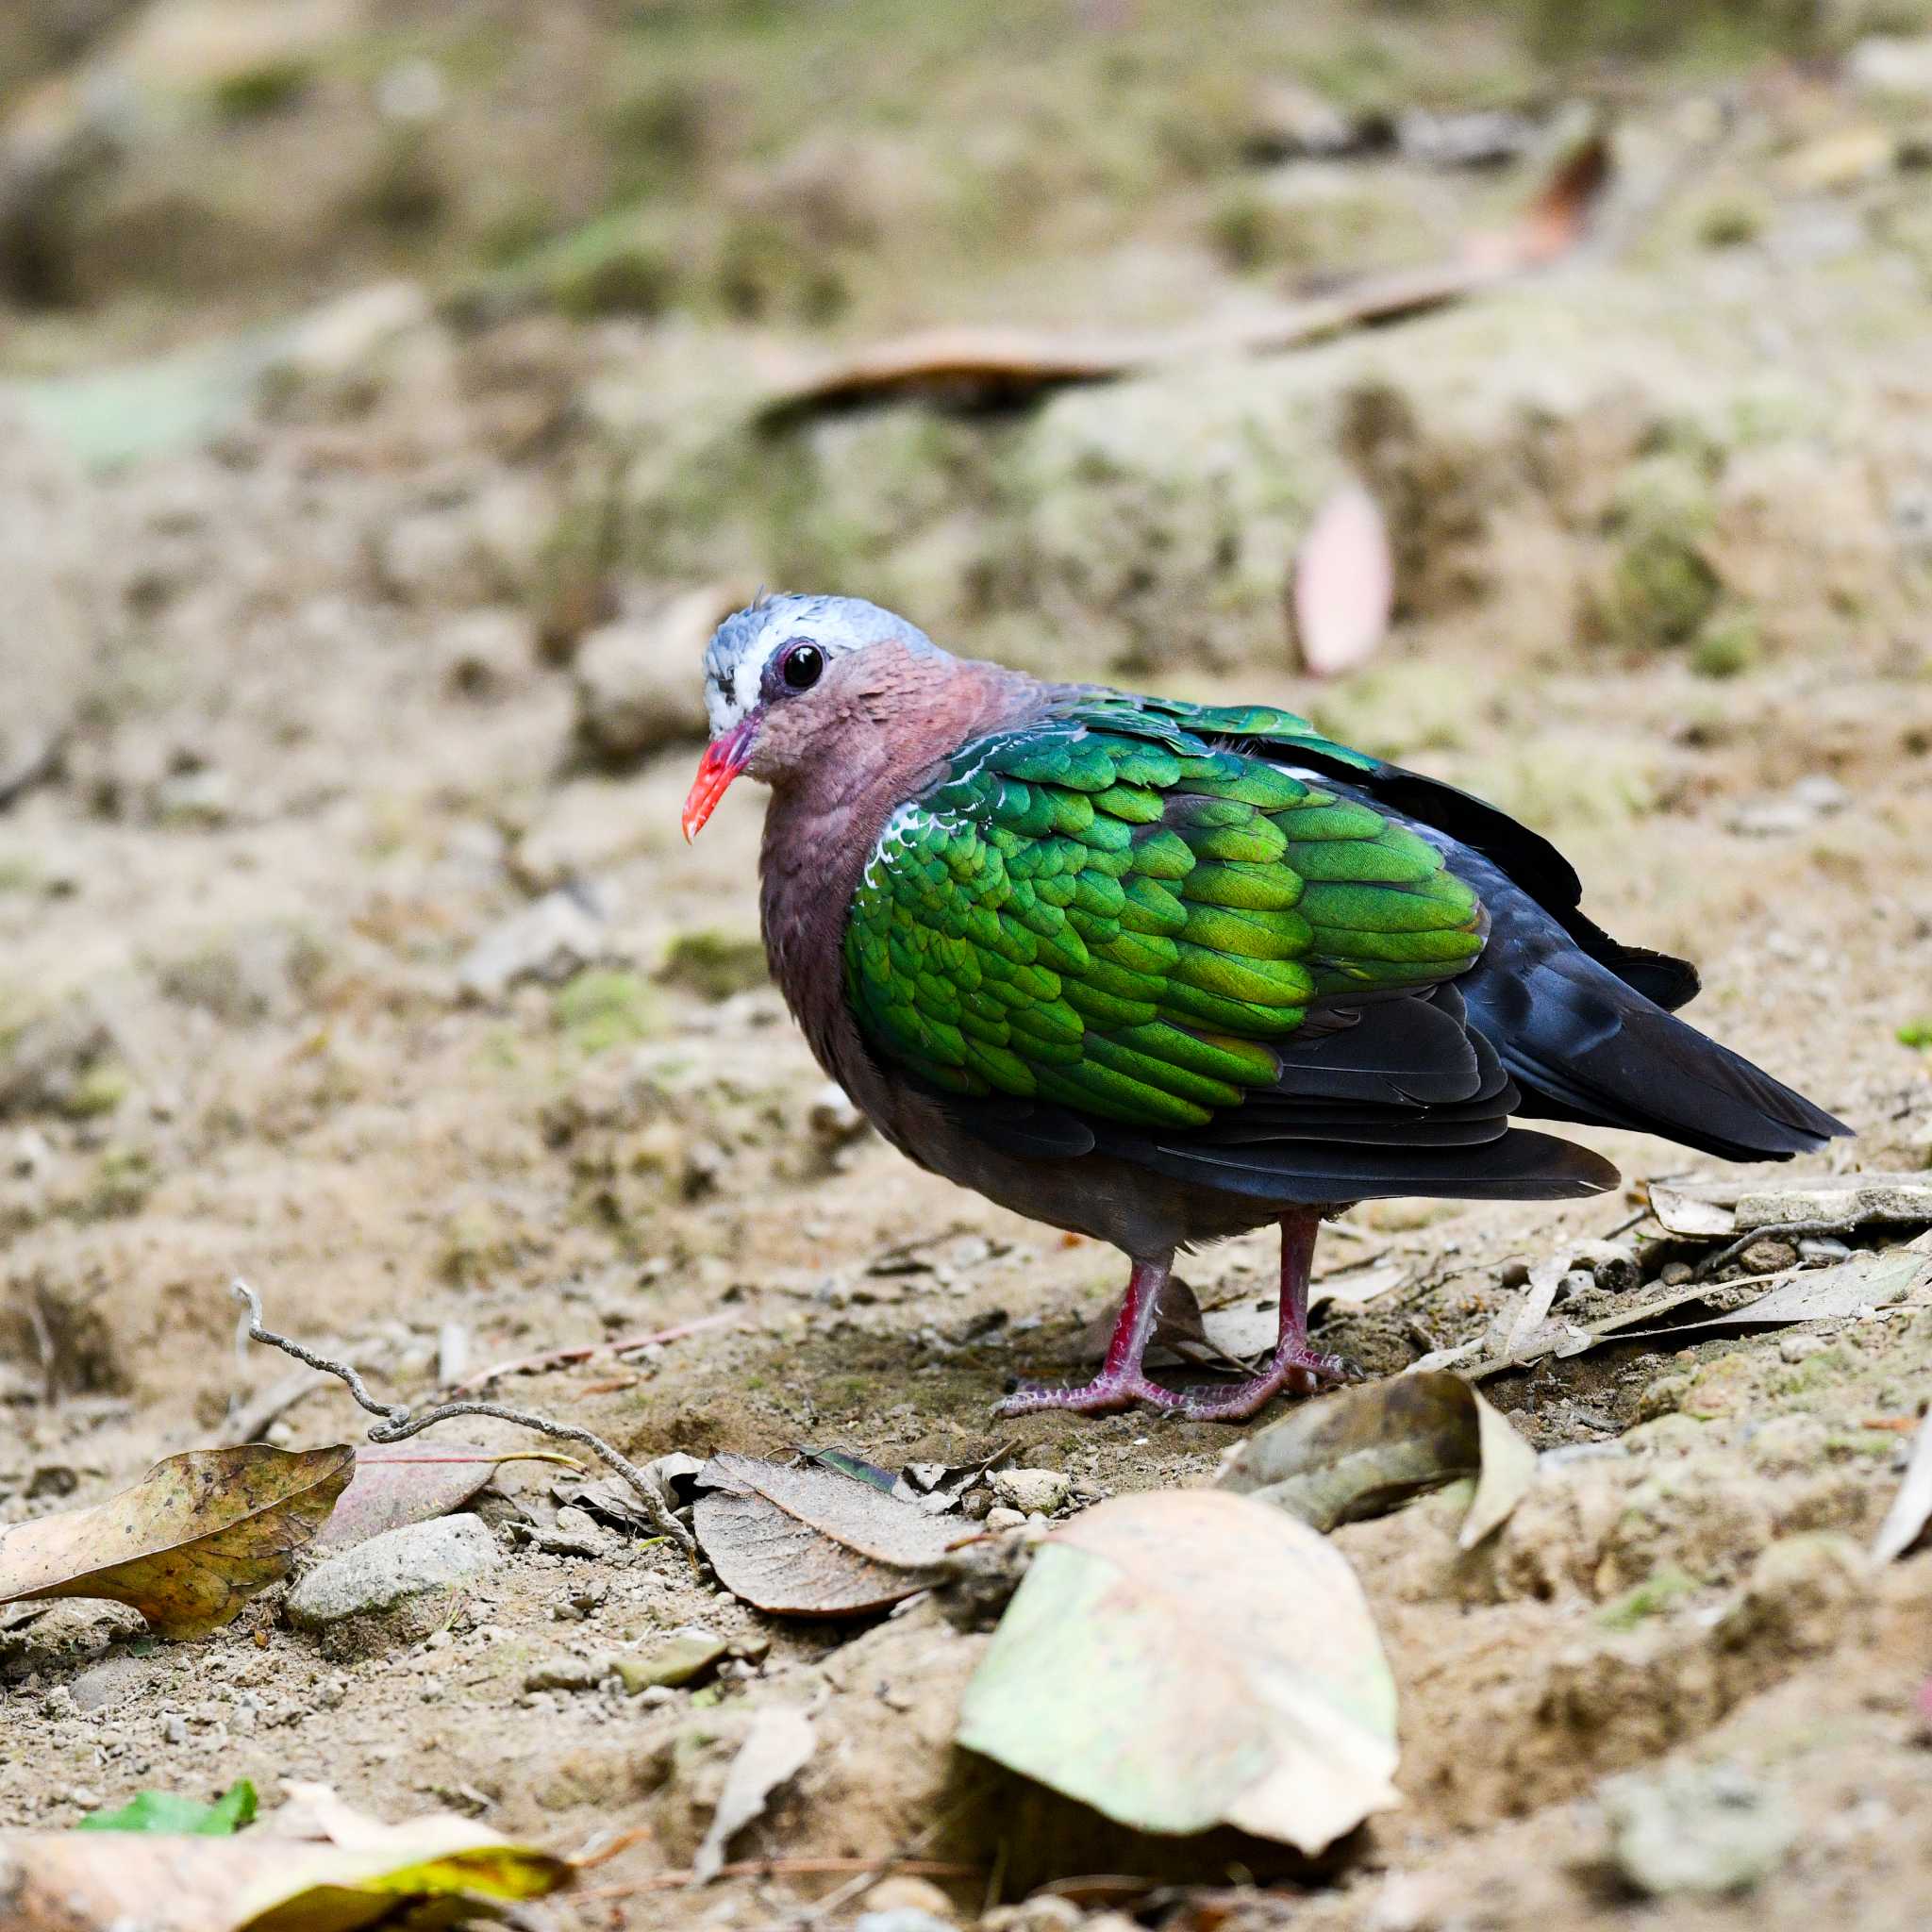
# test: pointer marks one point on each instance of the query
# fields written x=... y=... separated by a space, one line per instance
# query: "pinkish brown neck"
x=826 y=815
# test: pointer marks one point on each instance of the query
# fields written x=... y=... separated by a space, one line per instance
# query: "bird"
x=1161 y=972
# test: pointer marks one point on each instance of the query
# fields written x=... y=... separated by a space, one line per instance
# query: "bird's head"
x=781 y=676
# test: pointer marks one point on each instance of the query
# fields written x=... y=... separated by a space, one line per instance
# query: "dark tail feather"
x=1586 y=1047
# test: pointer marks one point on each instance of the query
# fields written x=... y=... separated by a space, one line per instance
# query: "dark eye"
x=801 y=666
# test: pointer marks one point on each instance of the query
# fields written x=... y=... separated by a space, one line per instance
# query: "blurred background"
x=394 y=393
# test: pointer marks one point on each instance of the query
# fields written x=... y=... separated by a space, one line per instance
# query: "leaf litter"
x=414 y=1482
x=809 y=1542
x=187 y=1546
x=1188 y=1658
x=1365 y=1450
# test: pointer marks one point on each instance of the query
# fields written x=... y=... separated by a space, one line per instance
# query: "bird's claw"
x=1100 y=1396
x=1294 y=1369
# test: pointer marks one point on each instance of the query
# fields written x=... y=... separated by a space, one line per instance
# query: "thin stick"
x=1711 y=1263
x=789 y=1868
x=399 y=1421
x=582 y=1352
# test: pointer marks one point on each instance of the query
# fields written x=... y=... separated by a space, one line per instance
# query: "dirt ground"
x=322 y=672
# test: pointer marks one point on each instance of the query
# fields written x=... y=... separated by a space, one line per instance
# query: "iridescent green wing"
x=1106 y=910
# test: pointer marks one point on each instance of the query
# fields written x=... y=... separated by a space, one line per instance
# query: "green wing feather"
x=1118 y=910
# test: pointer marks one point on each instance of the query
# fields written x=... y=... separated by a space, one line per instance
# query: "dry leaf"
x=191 y=1543
x=397 y=1483
x=1874 y=1278
x=1186 y=1658
x=1911 y=1509
x=999 y=364
x=439 y=1871
x=775 y=1749
x=1702 y=1208
x=1366 y=1451
x=806 y=1542
x=1344 y=584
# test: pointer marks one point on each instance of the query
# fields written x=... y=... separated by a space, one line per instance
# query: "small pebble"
x=1004 y=1519
x=1767 y=1255
x=1031 y=1491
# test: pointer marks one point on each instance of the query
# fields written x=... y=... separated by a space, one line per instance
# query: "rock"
x=1767 y=1255
x=1044 y=1913
x=1845 y=1201
x=903 y=1892
x=403 y=1578
x=1031 y=1490
x=685 y=1655
x=109 y=1682
x=567 y=1673
x=638 y=687
x=344 y=337
x=1612 y=1264
x=1696 y=1830
x=550 y=940
x=902 y=1918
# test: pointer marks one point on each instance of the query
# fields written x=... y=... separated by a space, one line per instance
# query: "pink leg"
x=1294 y=1366
x=1121 y=1381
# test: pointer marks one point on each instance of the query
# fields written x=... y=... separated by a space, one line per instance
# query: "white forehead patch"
x=744 y=645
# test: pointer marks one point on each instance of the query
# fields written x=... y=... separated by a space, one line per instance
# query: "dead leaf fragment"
x=1366 y=1451
x=1911 y=1509
x=807 y=1543
x=1704 y=1208
x=775 y=1749
x=398 y=1483
x=190 y=1544
x=1188 y=1658
x=1344 y=584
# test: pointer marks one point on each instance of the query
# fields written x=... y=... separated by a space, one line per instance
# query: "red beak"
x=724 y=758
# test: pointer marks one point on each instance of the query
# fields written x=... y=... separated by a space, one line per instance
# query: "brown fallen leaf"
x=806 y=1542
x=1186 y=1658
x=980 y=366
x=1344 y=584
x=190 y=1544
x=396 y=1483
x=1366 y=1451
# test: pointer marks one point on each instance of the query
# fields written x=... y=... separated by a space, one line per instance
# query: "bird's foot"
x=1109 y=1391
x=1294 y=1369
